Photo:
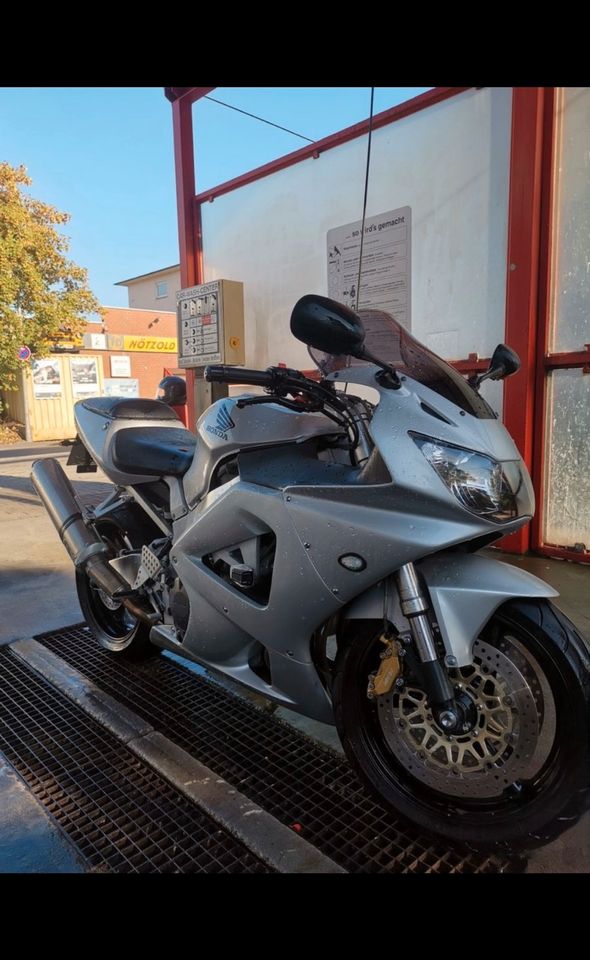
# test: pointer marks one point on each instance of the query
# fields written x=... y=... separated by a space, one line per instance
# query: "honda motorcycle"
x=320 y=546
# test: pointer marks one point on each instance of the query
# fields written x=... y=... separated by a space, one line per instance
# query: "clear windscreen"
x=386 y=339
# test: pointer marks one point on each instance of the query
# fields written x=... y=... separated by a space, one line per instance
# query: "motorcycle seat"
x=130 y=408
x=154 y=451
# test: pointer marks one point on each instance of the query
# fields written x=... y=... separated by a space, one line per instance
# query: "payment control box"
x=210 y=321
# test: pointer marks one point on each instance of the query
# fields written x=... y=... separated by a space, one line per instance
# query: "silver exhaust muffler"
x=84 y=546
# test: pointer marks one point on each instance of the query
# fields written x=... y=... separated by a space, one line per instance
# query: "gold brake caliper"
x=389 y=670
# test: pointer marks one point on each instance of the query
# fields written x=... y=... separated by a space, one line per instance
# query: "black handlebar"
x=219 y=373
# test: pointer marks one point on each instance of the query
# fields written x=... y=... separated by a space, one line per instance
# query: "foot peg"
x=149 y=568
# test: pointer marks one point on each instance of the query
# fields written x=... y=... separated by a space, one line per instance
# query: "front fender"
x=465 y=590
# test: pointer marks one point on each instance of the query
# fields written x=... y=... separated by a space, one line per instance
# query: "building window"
x=161 y=289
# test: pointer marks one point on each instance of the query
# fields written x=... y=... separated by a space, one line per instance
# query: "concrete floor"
x=37 y=593
x=30 y=841
x=37 y=589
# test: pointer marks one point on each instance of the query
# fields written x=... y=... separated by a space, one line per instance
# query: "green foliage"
x=43 y=294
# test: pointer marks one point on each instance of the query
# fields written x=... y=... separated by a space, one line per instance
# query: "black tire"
x=113 y=625
x=527 y=813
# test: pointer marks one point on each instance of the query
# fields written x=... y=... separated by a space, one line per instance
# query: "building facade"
x=134 y=344
x=126 y=354
x=155 y=290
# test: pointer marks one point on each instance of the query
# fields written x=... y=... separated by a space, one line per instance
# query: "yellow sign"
x=143 y=344
x=66 y=342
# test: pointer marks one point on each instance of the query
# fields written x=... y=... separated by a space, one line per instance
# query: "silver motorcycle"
x=320 y=546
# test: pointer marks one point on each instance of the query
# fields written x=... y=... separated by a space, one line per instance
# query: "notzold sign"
x=151 y=344
x=141 y=343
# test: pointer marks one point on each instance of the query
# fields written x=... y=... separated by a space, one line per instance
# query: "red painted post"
x=184 y=162
x=188 y=242
x=185 y=187
x=524 y=215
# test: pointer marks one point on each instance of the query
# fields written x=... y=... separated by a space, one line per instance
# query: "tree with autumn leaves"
x=43 y=294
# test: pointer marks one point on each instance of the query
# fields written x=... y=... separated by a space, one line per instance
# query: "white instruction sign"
x=386 y=268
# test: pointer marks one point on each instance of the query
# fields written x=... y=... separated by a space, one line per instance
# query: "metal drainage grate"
x=122 y=816
x=281 y=769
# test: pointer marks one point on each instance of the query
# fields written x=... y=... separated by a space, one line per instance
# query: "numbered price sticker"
x=24 y=353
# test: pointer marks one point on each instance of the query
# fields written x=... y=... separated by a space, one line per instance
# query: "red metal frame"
x=473 y=364
x=526 y=152
x=188 y=94
x=577 y=358
x=562 y=553
x=314 y=150
x=545 y=260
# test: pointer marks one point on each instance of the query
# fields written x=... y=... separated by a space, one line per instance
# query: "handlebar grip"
x=220 y=373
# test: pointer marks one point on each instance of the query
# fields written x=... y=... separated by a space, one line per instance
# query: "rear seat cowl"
x=129 y=408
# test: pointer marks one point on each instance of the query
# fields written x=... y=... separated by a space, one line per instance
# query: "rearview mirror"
x=503 y=364
x=327 y=325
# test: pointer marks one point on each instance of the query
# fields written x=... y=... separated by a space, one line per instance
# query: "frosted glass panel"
x=571 y=294
x=567 y=497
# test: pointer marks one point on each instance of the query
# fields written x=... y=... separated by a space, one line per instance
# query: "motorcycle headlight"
x=478 y=482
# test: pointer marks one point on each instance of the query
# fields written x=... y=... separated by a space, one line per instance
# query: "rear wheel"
x=113 y=625
x=521 y=775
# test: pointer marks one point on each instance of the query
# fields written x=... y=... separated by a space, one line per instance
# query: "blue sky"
x=105 y=155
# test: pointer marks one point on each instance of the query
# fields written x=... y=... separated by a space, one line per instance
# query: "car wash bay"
x=131 y=811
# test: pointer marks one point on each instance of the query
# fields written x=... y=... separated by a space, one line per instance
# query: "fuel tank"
x=225 y=428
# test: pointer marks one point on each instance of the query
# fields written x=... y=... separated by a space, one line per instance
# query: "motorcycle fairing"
x=388 y=524
x=315 y=523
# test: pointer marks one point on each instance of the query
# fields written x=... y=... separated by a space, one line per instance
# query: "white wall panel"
x=449 y=163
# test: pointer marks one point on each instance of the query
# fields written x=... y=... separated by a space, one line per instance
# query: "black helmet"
x=172 y=390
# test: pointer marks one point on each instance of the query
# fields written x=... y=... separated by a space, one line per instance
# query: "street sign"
x=24 y=353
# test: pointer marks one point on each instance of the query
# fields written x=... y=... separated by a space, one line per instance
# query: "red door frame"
x=546 y=359
x=522 y=276
x=527 y=254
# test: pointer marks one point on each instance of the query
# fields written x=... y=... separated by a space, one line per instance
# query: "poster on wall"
x=115 y=387
x=84 y=376
x=120 y=366
x=46 y=379
x=386 y=269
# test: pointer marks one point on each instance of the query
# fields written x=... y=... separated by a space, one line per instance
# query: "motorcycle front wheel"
x=521 y=776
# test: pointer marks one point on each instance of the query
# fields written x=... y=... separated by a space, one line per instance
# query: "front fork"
x=450 y=712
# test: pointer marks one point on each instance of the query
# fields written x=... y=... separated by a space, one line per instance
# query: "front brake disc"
x=495 y=754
